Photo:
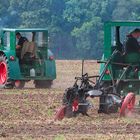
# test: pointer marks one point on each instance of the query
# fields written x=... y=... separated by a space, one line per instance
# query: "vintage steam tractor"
x=117 y=83
x=38 y=66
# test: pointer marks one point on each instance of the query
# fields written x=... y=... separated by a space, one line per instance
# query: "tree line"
x=75 y=26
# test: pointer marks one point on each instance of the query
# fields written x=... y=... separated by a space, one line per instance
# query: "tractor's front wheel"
x=43 y=83
x=19 y=84
x=3 y=71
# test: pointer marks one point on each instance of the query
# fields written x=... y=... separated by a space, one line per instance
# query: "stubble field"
x=29 y=113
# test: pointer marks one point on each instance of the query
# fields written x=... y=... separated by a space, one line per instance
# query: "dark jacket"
x=131 y=45
x=20 y=42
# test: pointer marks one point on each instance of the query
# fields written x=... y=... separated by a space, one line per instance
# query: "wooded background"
x=75 y=26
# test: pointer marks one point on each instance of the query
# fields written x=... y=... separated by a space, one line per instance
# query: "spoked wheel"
x=3 y=71
x=19 y=84
x=128 y=104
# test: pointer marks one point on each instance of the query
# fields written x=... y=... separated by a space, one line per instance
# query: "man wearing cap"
x=131 y=44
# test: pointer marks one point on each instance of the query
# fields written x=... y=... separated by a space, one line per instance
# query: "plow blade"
x=127 y=105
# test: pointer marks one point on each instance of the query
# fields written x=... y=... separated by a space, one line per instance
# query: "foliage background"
x=75 y=27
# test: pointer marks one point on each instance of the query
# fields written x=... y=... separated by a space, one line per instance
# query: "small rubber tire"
x=19 y=84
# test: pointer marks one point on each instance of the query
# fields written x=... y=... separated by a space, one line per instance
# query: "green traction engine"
x=118 y=81
x=41 y=67
x=124 y=67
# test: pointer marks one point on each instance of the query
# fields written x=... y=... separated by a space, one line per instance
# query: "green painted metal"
x=130 y=81
x=107 y=40
x=12 y=41
x=50 y=71
x=14 y=70
x=44 y=67
x=123 y=23
x=25 y=30
x=107 y=34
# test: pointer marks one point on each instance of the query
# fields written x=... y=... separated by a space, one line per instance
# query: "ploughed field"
x=29 y=113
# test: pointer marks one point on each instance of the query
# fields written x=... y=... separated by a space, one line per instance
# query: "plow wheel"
x=60 y=113
x=128 y=104
x=3 y=71
x=64 y=111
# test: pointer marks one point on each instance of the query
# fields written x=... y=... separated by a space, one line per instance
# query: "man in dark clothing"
x=131 y=44
x=20 y=43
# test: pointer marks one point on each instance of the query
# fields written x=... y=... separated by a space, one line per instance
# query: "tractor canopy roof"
x=122 y=23
x=25 y=29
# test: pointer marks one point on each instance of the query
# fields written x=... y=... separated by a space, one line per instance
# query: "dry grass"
x=67 y=70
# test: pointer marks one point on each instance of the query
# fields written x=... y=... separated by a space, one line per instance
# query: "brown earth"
x=29 y=113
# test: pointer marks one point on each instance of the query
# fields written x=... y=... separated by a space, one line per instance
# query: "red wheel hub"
x=3 y=72
x=128 y=104
x=75 y=105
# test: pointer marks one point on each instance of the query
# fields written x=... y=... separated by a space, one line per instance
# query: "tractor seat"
x=132 y=58
x=28 y=48
x=28 y=53
x=28 y=59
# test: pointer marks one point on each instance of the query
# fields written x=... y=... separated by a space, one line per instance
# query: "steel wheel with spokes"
x=128 y=104
x=60 y=114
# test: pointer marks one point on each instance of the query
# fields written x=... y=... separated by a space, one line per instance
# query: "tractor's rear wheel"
x=19 y=84
x=3 y=71
x=43 y=83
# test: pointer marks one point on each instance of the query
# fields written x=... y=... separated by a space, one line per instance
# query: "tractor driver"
x=131 y=44
x=21 y=41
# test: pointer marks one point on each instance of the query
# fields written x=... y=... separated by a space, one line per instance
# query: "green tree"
x=75 y=27
x=86 y=25
x=126 y=10
x=4 y=14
